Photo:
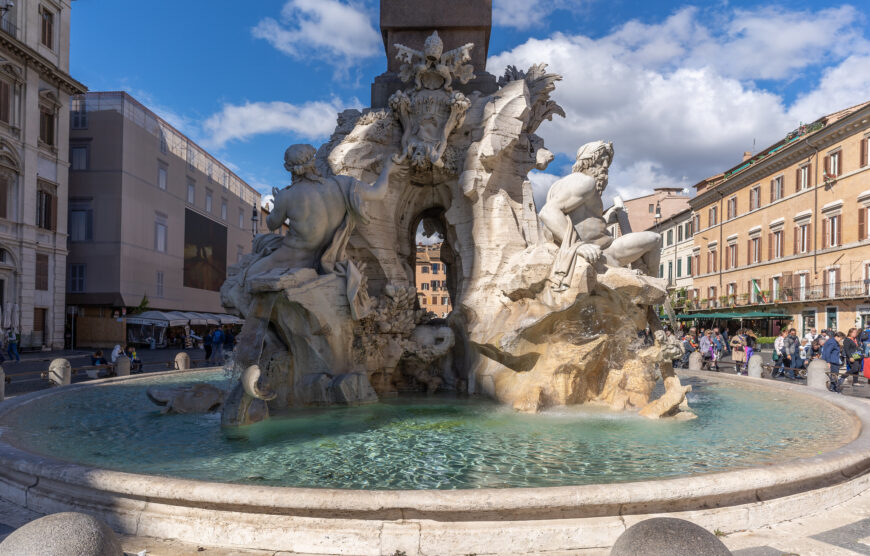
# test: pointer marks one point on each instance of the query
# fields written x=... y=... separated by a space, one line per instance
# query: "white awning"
x=181 y=318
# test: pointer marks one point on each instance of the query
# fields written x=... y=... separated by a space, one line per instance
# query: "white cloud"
x=312 y=120
x=680 y=98
x=328 y=30
x=523 y=14
x=541 y=182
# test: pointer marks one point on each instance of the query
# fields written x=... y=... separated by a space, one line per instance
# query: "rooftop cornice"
x=34 y=58
x=798 y=151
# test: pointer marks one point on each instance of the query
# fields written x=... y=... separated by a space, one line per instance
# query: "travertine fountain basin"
x=430 y=475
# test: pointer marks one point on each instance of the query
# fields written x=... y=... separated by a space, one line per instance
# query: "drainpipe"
x=815 y=207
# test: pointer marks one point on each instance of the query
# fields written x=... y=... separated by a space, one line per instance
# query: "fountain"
x=531 y=419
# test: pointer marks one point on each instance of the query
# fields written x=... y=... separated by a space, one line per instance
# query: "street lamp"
x=255 y=218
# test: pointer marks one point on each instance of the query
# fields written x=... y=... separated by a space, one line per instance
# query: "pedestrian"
x=229 y=341
x=790 y=354
x=719 y=347
x=852 y=355
x=97 y=359
x=116 y=352
x=12 y=344
x=811 y=336
x=738 y=353
x=805 y=353
x=749 y=341
x=690 y=345
x=831 y=350
x=207 y=345
x=217 y=339
x=705 y=345
x=778 y=356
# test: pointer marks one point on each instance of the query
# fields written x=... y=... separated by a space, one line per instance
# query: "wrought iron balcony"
x=8 y=27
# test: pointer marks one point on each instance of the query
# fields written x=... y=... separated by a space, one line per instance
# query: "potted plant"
x=787 y=294
x=744 y=298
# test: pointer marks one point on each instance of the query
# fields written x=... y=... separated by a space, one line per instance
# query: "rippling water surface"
x=426 y=443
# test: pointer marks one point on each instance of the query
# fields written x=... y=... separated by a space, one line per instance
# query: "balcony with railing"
x=829 y=291
x=7 y=26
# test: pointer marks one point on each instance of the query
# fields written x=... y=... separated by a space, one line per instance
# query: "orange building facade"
x=430 y=277
x=786 y=231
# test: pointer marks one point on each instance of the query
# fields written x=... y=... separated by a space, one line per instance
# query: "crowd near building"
x=431 y=280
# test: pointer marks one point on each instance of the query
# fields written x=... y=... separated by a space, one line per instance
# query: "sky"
x=682 y=89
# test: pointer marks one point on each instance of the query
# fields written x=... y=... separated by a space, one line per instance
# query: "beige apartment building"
x=152 y=217
x=786 y=231
x=431 y=279
x=35 y=88
x=678 y=250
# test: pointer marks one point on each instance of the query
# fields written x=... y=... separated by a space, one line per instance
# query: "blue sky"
x=682 y=89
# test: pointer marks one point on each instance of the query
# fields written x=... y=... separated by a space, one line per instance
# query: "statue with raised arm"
x=573 y=215
x=322 y=212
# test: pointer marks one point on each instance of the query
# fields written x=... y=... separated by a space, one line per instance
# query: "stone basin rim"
x=703 y=491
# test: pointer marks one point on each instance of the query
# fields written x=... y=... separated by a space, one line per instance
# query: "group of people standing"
x=846 y=354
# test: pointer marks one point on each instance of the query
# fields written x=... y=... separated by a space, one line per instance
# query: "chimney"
x=746 y=155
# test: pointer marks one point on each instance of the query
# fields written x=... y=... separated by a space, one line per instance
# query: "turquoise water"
x=425 y=443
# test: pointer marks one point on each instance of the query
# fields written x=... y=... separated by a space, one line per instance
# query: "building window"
x=833 y=282
x=160 y=236
x=6 y=184
x=79 y=157
x=713 y=216
x=802 y=236
x=834 y=166
x=732 y=256
x=444 y=301
x=689 y=265
x=223 y=209
x=161 y=177
x=732 y=208
x=670 y=237
x=696 y=224
x=670 y=272
x=207 y=200
x=41 y=272
x=5 y=102
x=661 y=270
x=776 y=189
x=241 y=219
x=191 y=192
x=833 y=231
x=46 y=35
x=803 y=283
x=45 y=210
x=831 y=314
x=652 y=209
x=164 y=146
x=754 y=291
x=77 y=278
x=865 y=151
x=159 y=288
x=191 y=157
x=711 y=295
x=803 y=177
x=679 y=233
x=756 y=249
x=755 y=197
x=81 y=221
x=435 y=284
x=46 y=126
x=424 y=286
x=776 y=244
x=679 y=268
x=688 y=227
x=434 y=268
x=774 y=288
x=78 y=115
x=424 y=269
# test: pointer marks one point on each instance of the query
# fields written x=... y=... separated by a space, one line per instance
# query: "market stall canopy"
x=179 y=318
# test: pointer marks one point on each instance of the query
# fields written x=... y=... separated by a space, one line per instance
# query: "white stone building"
x=35 y=89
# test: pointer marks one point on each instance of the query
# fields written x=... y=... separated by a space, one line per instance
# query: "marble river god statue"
x=546 y=306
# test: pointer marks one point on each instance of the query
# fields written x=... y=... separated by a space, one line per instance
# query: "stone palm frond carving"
x=541 y=84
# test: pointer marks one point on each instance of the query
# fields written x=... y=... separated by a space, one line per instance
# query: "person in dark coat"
x=831 y=354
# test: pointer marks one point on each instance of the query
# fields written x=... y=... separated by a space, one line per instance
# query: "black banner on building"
x=205 y=252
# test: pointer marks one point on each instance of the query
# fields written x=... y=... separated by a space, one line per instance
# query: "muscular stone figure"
x=322 y=212
x=573 y=214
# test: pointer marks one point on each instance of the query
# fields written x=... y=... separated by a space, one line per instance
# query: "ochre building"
x=431 y=280
x=786 y=231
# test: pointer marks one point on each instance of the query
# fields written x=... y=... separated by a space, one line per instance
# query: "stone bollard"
x=60 y=372
x=668 y=536
x=63 y=533
x=182 y=361
x=817 y=374
x=696 y=360
x=755 y=366
x=122 y=366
